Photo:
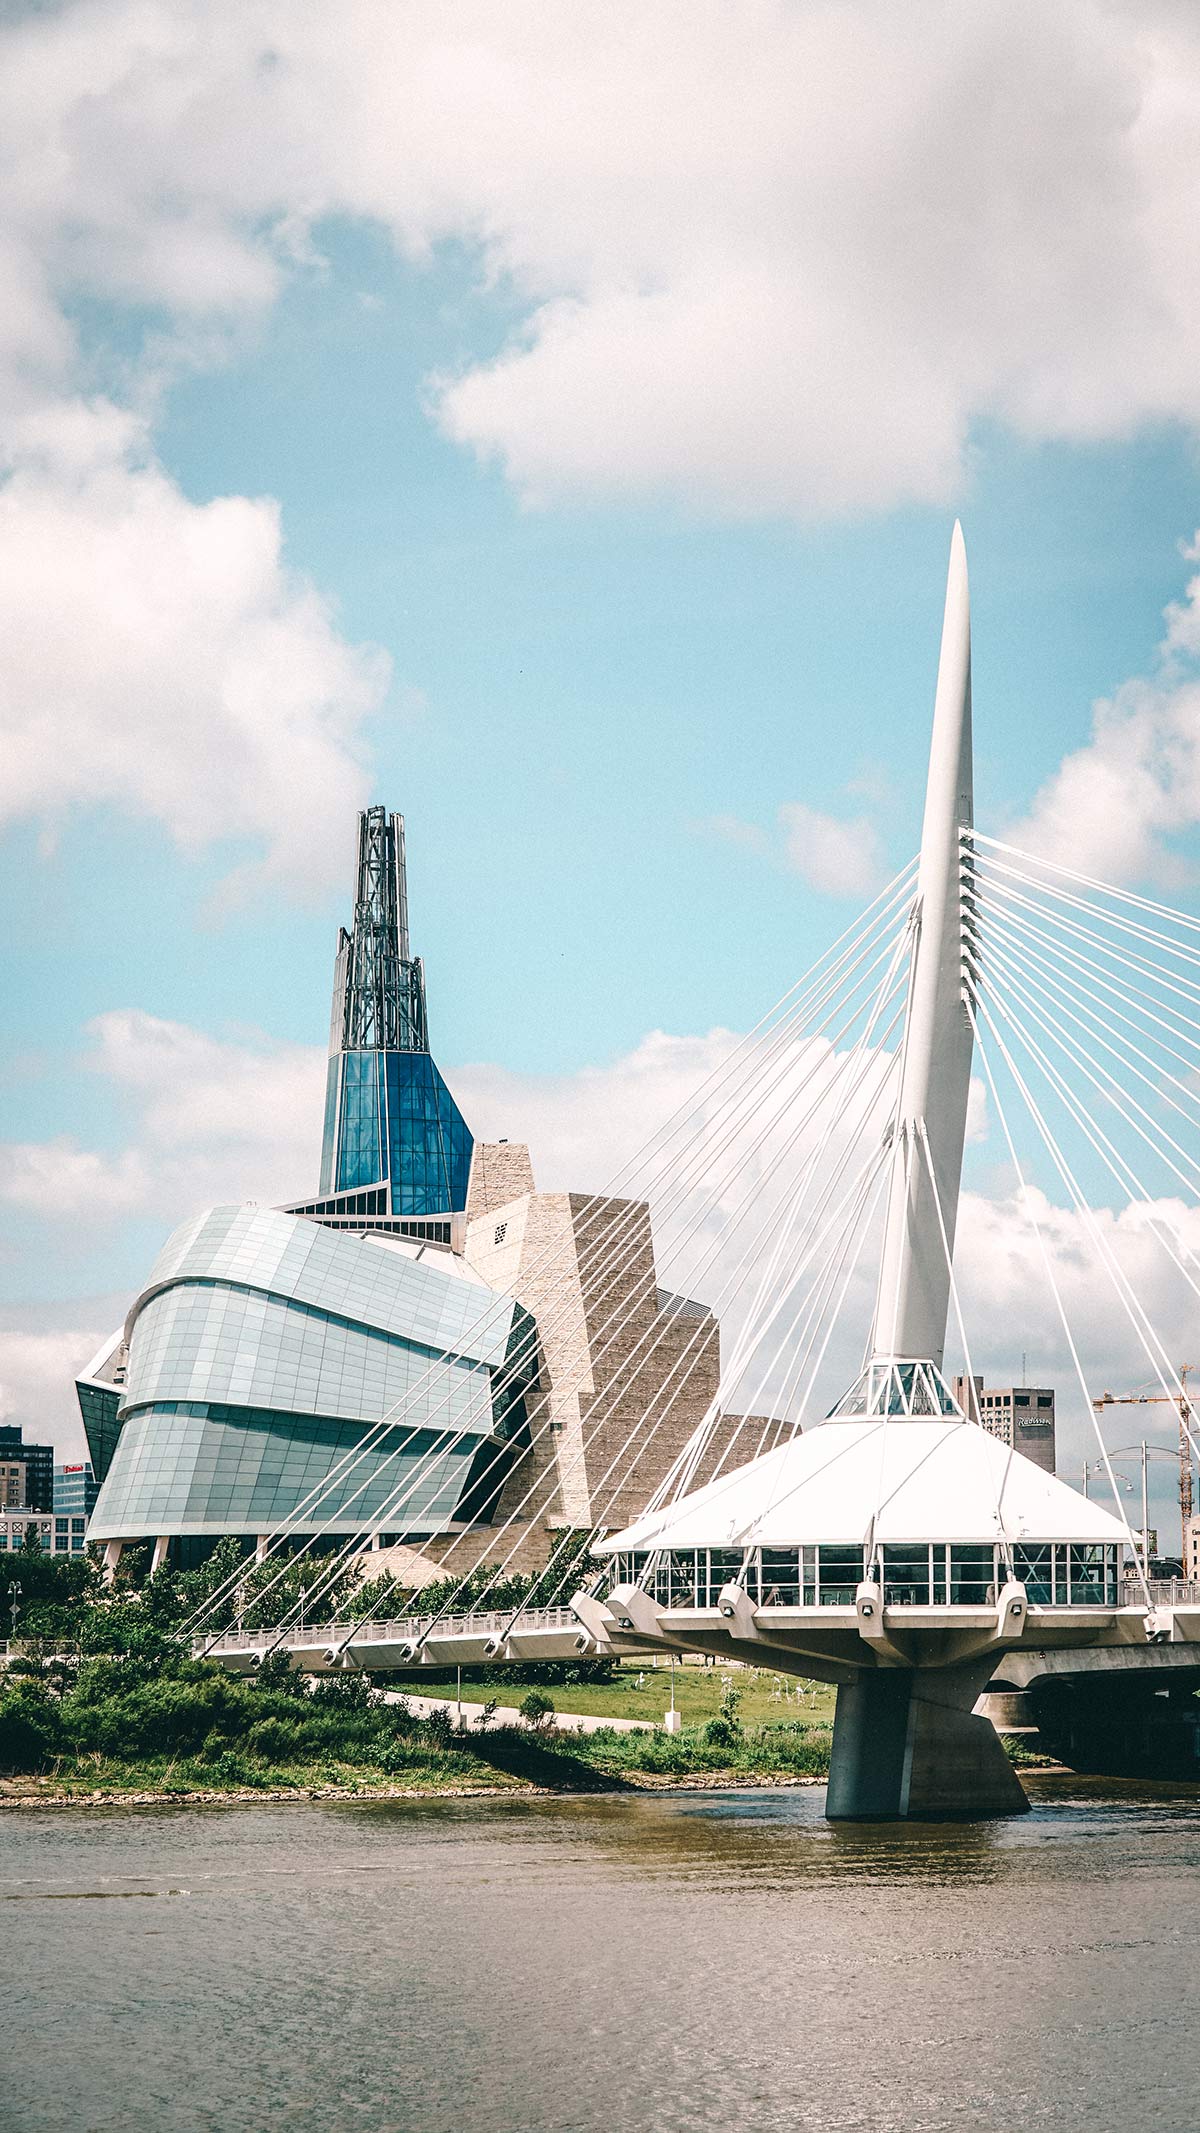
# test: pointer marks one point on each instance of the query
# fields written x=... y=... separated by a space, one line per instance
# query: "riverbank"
x=53 y=1792
x=426 y=1758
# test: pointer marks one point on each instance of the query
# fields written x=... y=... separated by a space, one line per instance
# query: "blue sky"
x=633 y=444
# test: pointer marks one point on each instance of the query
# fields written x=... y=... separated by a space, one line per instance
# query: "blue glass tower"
x=396 y=1144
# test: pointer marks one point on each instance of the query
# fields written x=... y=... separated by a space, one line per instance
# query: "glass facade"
x=397 y=1124
x=197 y=1468
x=18 y=1530
x=100 y=1407
x=915 y=1574
x=262 y=1351
x=75 y=1491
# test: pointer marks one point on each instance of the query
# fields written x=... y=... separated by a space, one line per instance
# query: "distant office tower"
x=1191 y=1548
x=75 y=1493
x=38 y=1462
x=75 y=1490
x=12 y=1484
x=1022 y=1416
x=393 y=1132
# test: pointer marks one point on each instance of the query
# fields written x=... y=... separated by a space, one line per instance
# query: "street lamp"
x=1144 y=1452
x=14 y=1601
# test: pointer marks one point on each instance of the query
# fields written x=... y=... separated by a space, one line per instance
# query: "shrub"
x=277 y=1740
x=537 y=1709
x=721 y=1732
x=277 y=1676
x=30 y=1728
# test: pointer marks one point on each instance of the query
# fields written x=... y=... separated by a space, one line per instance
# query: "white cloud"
x=160 y=660
x=766 y=258
x=838 y=855
x=214 y=1120
x=38 y=1364
x=1114 y=806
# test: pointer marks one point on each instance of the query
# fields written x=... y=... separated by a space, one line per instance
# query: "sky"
x=549 y=420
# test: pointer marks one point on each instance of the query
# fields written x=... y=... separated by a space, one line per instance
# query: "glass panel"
x=780 y=1577
x=1034 y=1570
x=972 y=1576
x=683 y=1578
x=906 y=1575
x=1087 y=1576
x=922 y=1399
x=840 y=1574
x=724 y=1568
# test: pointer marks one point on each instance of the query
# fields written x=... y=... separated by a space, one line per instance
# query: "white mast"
x=914 y=1279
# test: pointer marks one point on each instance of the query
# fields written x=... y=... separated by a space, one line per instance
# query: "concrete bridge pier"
x=907 y=1745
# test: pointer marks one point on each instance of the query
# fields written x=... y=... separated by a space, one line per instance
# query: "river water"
x=601 y=1965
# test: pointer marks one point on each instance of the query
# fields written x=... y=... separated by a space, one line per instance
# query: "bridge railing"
x=407 y=1629
x=1170 y=1592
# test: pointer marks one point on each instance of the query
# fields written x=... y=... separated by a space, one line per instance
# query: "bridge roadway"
x=1026 y=1641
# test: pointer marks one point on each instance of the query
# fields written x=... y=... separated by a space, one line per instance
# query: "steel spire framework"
x=394 y=1140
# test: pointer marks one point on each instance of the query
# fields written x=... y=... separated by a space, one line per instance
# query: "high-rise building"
x=12 y=1484
x=75 y=1490
x=396 y=1154
x=1022 y=1416
x=38 y=1461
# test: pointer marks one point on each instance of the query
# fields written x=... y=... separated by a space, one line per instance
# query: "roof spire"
x=914 y=1278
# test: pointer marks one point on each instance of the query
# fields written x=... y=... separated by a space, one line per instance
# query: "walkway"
x=508 y=1715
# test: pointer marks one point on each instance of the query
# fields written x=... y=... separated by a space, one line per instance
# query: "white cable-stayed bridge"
x=881 y=1539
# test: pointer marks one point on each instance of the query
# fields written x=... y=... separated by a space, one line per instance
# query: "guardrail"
x=1170 y=1592
x=409 y=1629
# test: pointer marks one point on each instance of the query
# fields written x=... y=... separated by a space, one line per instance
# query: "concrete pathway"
x=508 y=1715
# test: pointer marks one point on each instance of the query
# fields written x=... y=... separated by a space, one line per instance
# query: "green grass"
x=698 y=1693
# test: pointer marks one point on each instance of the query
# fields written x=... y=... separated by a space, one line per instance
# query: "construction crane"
x=1184 y=1405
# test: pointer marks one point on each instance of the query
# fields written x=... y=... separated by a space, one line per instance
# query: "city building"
x=1191 y=1548
x=38 y=1462
x=1022 y=1416
x=417 y=1351
x=75 y=1490
x=17 y=1527
x=12 y=1484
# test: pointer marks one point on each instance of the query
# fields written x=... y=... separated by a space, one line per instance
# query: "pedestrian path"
x=508 y=1715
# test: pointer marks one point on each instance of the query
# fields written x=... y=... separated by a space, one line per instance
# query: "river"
x=601 y=1965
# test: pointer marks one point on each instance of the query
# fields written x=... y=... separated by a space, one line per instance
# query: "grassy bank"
x=194 y=1731
x=108 y=1701
x=633 y=1691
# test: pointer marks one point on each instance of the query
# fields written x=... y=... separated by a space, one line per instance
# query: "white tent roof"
x=941 y=1480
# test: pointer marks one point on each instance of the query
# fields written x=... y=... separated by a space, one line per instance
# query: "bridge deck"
x=826 y=1641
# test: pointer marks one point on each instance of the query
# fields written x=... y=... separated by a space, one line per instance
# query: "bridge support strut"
x=907 y=1745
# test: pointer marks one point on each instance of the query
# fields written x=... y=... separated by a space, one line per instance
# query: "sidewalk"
x=508 y=1715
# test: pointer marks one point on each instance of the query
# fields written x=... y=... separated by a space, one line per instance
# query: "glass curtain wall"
x=915 y=1574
